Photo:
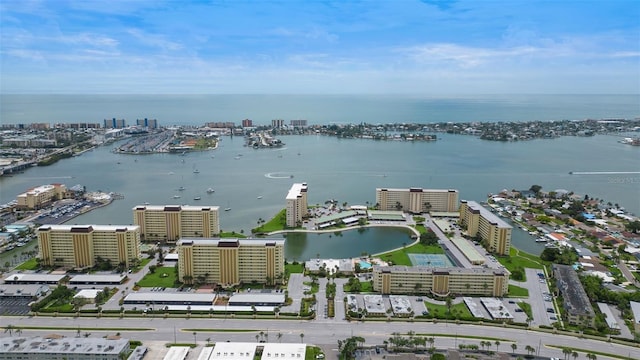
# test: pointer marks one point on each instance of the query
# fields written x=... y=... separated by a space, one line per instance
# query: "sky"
x=320 y=47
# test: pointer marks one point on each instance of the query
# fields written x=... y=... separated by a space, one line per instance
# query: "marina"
x=332 y=175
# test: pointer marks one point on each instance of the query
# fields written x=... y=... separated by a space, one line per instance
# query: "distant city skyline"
x=320 y=47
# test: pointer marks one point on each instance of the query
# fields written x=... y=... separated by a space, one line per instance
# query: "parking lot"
x=14 y=306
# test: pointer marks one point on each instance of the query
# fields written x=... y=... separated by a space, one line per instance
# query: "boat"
x=541 y=239
x=196 y=171
x=210 y=191
x=176 y=196
x=227 y=209
x=197 y=198
x=260 y=197
x=181 y=188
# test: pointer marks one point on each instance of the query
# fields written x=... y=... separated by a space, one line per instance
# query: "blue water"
x=342 y=169
x=317 y=109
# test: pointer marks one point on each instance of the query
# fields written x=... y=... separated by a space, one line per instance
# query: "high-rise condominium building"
x=440 y=281
x=297 y=206
x=417 y=200
x=79 y=246
x=114 y=123
x=40 y=196
x=148 y=123
x=170 y=222
x=481 y=222
x=229 y=262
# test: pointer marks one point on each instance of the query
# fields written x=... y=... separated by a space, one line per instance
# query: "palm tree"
x=566 y=352
x=194 y=338
x=592 y=356
x=9 y=328
x=301 y=337
x=497 y=345
x=279 y=337
x=530 y=350
x=513 y=348
x=208 y=341
x=575 y=355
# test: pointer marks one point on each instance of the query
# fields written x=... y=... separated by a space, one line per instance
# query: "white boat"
x=210 y=191
x=227 y=209
x=176 y=196
x=181 y=188
x=260 y=197
x=197 y=198
x=196 y=171
x=541 y=239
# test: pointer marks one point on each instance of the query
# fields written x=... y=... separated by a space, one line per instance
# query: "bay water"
x=254 y=183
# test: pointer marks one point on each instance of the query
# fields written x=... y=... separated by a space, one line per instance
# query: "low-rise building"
x=59 y=347
x=41 y=196
x=576 y=303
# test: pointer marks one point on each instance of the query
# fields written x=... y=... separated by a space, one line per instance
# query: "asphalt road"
x=324 y=334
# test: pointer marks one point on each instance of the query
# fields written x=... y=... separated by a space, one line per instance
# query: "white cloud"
x=154 y=40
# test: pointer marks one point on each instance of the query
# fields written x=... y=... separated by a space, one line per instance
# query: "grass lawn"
x=30 y=264
x=526 y=307
x=278 y=222
x=400 y=257
x=163 y=277
x=294 y=268
x=440 y=311
x=232 y=235
x=516 y=291
x=520 y=259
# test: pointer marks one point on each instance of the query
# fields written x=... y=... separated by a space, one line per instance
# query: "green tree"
x=513 y=348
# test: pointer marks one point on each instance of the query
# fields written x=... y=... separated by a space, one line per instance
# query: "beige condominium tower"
x=229 y=262
x=170 y=222
x=297 y=206
x=417 y=200
x=79 y=246
x=489 y=227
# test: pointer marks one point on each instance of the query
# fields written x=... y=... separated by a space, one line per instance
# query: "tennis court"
x=432 y=260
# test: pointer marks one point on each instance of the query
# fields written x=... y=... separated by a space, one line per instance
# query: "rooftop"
x=576 y=301
x=485 y=213
x=296 y=190
x=63 y=345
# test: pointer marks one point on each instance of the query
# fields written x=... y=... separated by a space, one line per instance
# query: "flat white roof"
x=423 y=190
x=181 y=207
x=159 y=297
x=233 y=350
x=94 y=227
x=244 y=242
x=283 y=351
x=296 y=190
x=485 y=213
x=87 y=294
x=206 y=352
x=34 y=277
x=635 y=308
x=177 y=353
x=257 y=297
x=97 y=278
